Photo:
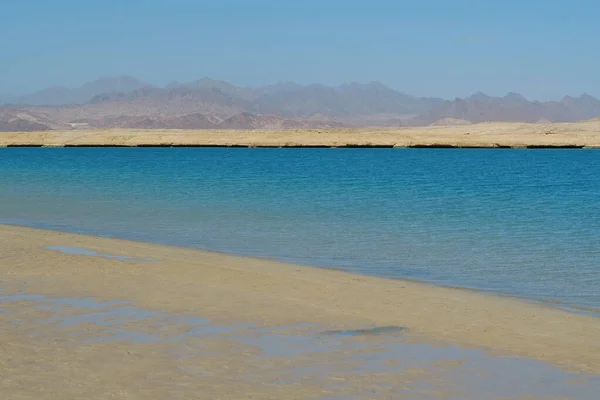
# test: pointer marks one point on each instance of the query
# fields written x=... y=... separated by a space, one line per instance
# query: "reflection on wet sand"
x=183 y=354
x=162 y=322
x=86 y=252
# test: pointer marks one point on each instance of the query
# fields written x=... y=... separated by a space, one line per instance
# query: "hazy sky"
x=543 y=49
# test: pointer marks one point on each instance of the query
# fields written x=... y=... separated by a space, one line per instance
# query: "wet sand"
x=131 y=320
x=486 y=135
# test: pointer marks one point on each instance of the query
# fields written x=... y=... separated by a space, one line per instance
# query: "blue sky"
x=542 y=49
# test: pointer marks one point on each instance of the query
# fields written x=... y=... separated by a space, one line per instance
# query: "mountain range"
x=127 y=102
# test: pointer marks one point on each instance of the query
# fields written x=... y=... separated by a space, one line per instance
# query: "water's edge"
x=514 y=223
x=572 y=308
x=441 y=145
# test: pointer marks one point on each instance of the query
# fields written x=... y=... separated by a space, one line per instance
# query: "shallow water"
x=373 y=358
x=85 y=252
x=516 y=222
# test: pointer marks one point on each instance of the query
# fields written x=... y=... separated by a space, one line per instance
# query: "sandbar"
x=484 y=135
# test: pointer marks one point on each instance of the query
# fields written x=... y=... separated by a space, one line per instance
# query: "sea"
x=520 y=223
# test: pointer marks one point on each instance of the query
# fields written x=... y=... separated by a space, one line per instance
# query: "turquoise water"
x=524 y=223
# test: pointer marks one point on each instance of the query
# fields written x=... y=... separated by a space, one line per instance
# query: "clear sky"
x=543 y=49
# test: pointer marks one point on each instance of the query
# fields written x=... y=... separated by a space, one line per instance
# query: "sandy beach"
x=229 y=291
x=486 y=135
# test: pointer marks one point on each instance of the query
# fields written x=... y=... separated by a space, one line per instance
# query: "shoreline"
x=546 y=302
x=242 y=289
x=578 y=135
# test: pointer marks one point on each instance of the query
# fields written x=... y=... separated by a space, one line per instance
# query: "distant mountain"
x=512 y=108
x=200 y=121
x=153 y=95
x=284 y=100
x=582 y=107
x=21 y=125
x=345 y=100
x=251 y=121
x=213 y=104
x=190 y=121
x=293 y=100
x=60 y=95
x=19 y=121
x=243 y=93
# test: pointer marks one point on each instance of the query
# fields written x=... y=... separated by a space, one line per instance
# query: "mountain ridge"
x=207 y=103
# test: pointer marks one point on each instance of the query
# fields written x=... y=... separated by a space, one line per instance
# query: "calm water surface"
x=518 y=222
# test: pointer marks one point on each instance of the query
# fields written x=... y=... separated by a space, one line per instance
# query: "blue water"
x=518 y=222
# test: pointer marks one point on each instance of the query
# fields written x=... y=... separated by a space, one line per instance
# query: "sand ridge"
x=484 y=135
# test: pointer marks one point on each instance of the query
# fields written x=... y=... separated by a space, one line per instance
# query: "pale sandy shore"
x=486 y=135
x=232 y=291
